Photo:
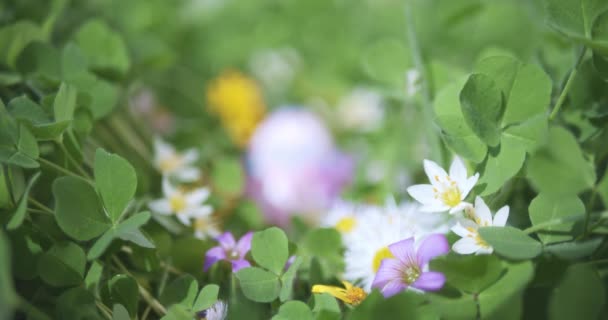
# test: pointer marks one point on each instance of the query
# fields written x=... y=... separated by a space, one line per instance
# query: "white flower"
x=445 y=192
x=361 y=110
x=185 y=205
x=377 y=228
x=169 y=162
x=218 y=311
x=480 y=216
x=206 y=227
x=412 y=82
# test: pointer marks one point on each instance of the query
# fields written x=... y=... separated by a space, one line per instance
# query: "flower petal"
x=500 y=218
x=432 y=246
x=392 y=288
x=189 y=156
x=483 y=212
x=465 y=246
x=461 y=227
x=458 y=172
x=197 y=196
x=244 y=244
x=436 y=207
x=161 y=206
x=483 y=250
x=423 y=193
x=459 y=207
x=430 y=281
x=466 y=187
x=201 y=212
x=404 y=250
x=434 y=172
x=212 y=256
x=226 y=240
x=184 y=218
x=162 y=149
x=239 y=264
x=390 y=269
x=168 y=188
x=188 y=174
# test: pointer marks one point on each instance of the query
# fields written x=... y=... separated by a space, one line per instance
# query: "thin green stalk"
x=105 y=310
x=61 y=169
x=566 y=89
x=588 y=212
x=152 y=302
x=552 y=223
x=38 y=211
x=427 y=108
x=41 y=206
x=71 y=159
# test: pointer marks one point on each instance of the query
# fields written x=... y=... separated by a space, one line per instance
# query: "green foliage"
x=258 y=284
x=296 y=310
x=579 y=294
x=62 y=265
x=545 y=208
x=482 y=106
x=510 y=242
x=471 y=274
x=116 y=182
x=269 y=249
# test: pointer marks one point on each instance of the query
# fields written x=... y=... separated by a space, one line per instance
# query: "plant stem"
x=73 y=161
x=61 y=169
x=105 y=310
x=152 y=302
x=564 y=94
x=551 y=223
x=43 y=208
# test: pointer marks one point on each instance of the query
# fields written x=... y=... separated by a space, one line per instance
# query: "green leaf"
x=562 y=161
x=294 y=310
x=65 y=102
x=574 y=250
x=574 y=18
x=579 y=295
x=127 y=230
x=269 y=249
x=206 y=297
x=547 y=207
x=529 y=134
x=78 y=304
x=529 y=96
x=510 y=242
x=15 y=37
x=287 y=279
x=481 y=102
x=27 y=143
x=119 y=312
x=8 y=297
x=456 y=133
x=499 y=168
x=181 y=291
x=471 y=274
x=178 y=312
x=116 y=182
x=510 y=286
x=49 y=131
x=259 y=285
x=502 y=68
x=21 y=210
x=93 y=277
x=22 y=108
x=124 y=290
x=62 y=265
x=104 y=48
x=77 y=210
x=325 y=301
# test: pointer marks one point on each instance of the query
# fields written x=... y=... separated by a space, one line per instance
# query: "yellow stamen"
x=349 y=294
x=177 y=202
x=170 y=163
x=478 y=240
x=346 y=224
x=451 y=196
x=381 y=254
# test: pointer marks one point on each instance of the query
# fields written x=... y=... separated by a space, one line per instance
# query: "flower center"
x=451 y=196
x=232 y=254
x=411 y=274
x=170 y=163
x=383 y=253
x=478 y=240
x=177 y=202
x=355 y=295
x=346 y=224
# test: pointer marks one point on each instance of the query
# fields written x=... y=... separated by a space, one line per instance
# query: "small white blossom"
x=446 y=192
x=185 y=205
x=171 y=163
x=218 y=311
x=480 y=216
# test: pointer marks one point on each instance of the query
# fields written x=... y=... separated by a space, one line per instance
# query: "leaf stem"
x=551 y=223
x=152 y=302
x=43 y=208
x=104 y=309
x=564 y=94
x=73 y=161
x=61 y=169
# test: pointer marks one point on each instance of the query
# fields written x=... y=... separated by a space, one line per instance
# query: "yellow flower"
x=349 y=294
x=238 y=102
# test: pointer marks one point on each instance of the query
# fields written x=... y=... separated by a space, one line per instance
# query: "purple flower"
x=409 y=267
x=230 y=250
x=294 y=167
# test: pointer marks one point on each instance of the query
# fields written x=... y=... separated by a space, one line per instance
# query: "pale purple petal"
x=390 y=269
x=404 y=250
x=214 y=255
x=239 y=264
x=429 y=281
x=500 y=218
x=244 y=244
x=432 y=246
x=226 y=240
x=392 y=288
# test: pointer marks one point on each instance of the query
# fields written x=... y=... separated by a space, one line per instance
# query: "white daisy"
x=417 y=223
x=480 y=216
x=446 y=192
x=343 y=216
x=185 y=205
x=180 y=165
